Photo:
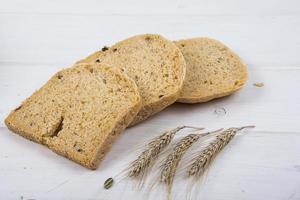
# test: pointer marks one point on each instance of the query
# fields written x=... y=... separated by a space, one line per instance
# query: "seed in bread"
x=79 y=112
x=212 y=70
x=154 y=63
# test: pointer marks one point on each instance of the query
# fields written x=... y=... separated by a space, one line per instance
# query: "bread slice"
x=212 y=70
x=156 y=65
x=79 y=112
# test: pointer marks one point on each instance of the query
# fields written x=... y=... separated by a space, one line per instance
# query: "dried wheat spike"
x=139 y=166
x=206 y=156
x=171 y=163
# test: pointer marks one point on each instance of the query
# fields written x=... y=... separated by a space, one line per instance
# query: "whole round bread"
x=212 y=70
x=154 y=63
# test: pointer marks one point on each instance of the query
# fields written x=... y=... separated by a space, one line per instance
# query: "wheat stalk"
x=171 y=163
x=139 y=166
x=206 y=156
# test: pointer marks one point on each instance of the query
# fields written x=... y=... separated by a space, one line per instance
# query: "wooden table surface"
x=39 y=37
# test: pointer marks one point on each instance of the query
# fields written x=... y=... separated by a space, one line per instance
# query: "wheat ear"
x=170 y=165
x=205 y=157
x=139 y=166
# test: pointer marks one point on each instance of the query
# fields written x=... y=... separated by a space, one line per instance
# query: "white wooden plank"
x=138 y=7
x=37 y=38
x=257 y=165
x=61 y=40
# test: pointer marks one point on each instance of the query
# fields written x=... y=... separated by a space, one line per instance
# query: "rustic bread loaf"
x=79 y=112
x=212 y=70
x=154 y=63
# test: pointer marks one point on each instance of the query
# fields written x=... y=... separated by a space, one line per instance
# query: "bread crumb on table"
x=258 y=84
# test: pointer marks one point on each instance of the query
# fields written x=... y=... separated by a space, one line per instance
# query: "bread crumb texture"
x=79 y=112
x=154 y=63
x=212 y=70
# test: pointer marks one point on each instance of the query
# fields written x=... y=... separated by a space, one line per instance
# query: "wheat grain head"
x=169 y=166
x=206 y=156
x=139 y=166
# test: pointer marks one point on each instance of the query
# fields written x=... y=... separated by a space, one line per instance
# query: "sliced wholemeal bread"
x=212 y=70
x=79 y=112
x=156 y=65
